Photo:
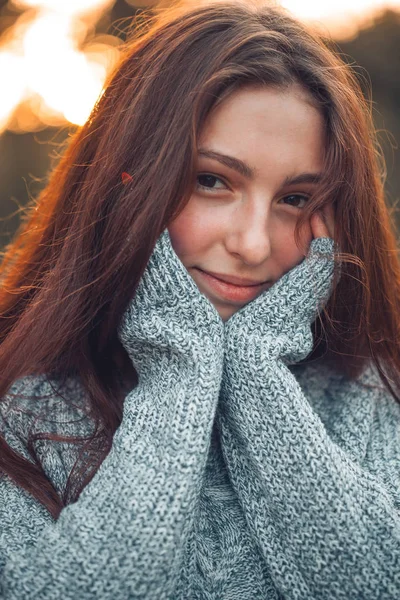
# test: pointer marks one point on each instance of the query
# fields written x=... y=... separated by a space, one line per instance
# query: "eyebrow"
x=249 y=172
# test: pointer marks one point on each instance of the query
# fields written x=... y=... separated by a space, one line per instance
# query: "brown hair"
x=75 y=263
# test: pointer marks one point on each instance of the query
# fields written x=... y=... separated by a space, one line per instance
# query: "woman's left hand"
x=323 y=223
x=277 y=323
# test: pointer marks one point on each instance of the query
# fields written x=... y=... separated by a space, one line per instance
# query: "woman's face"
x=260 y=154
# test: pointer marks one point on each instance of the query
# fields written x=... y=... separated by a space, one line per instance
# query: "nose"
x=249 y=234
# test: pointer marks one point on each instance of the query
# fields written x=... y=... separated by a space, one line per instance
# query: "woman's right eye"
x=206 y=182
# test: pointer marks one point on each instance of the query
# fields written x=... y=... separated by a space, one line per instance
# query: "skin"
x=242 y=227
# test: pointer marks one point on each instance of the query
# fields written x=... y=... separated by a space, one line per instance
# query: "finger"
x=329 y=216
x=318 y=226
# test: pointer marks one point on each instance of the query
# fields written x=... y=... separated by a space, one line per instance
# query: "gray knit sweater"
x=235 y=474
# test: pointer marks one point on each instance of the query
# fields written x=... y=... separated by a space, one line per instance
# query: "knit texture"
x=235 y=474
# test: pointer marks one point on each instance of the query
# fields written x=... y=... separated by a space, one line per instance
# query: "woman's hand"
x=277 y=324
x=323 y=223
x=169 y=321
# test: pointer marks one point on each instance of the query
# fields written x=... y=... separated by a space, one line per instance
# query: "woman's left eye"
x=295 y=199
x=208 y=181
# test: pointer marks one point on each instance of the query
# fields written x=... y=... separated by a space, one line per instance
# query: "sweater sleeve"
x=320 y=496
x=126 y=534
x=326 y=518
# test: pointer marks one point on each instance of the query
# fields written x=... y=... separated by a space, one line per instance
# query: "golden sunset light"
x=50 y=79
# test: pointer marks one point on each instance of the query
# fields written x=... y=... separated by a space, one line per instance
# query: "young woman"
x=200 y=332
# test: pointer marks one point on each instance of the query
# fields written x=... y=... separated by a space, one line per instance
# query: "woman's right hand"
x=168 y=317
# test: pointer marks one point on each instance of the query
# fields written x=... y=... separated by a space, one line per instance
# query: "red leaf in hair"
x=126 y=178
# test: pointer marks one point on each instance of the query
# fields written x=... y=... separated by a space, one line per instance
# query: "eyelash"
x=208 y=190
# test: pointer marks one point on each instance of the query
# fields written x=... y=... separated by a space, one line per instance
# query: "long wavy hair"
x=84 y=243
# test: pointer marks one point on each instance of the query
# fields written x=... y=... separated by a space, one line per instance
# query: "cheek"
x=285 y=250
x=178 y=233
x=191 y=231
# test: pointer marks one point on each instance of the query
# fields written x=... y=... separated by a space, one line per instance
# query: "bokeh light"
x=67 y=8
x=51 y=79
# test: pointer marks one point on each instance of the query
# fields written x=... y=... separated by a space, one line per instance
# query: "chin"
x=227 y=313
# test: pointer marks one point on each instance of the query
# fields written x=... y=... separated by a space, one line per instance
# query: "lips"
x=231 y=292
x=239 y=281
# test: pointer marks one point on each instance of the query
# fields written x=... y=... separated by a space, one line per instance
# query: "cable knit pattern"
x=236 y=474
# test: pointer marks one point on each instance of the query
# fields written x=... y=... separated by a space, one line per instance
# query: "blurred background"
x=56 y=54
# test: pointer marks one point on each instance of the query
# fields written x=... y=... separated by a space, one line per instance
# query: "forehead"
x=267 y=104
x=269 y=127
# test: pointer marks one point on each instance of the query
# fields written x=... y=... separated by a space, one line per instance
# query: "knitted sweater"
x=235 y=474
